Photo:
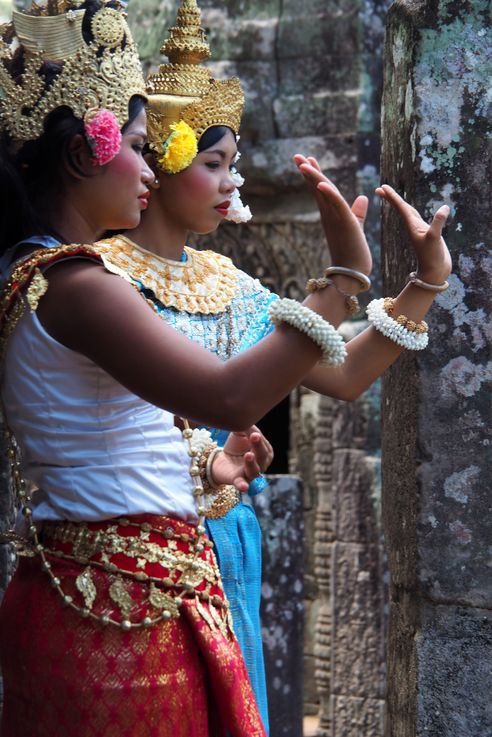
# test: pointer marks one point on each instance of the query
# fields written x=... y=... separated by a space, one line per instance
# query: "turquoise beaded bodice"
x=242 y=323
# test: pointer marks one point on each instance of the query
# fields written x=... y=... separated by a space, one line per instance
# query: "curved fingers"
x=333 y=198
x=314 y=162
x=312 y=174
x=262 y=450
x=438 y=222
x=249 y=471
x=359 y=209
x=410 y=216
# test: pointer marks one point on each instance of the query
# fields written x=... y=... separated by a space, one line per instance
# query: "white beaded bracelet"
x=309 y=322
x=377 y=315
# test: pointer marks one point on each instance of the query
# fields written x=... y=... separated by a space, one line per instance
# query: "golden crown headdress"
x=183 y=91
x=102 y=74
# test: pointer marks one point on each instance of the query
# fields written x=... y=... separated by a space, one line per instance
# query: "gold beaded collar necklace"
x=205 y=283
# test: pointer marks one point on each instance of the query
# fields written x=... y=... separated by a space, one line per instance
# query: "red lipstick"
x=223 y=207
x=144 y=199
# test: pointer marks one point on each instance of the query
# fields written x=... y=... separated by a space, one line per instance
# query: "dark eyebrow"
x=138 y=132
x=218 y=151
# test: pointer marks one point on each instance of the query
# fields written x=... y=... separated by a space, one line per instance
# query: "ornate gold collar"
x=205 y=283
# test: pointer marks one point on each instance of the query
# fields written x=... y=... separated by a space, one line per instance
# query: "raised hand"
x=343 y=225
x=245 y=456
x=433 y=257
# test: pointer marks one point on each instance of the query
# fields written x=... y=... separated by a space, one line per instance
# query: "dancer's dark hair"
x=30 y=178
x=212 y=135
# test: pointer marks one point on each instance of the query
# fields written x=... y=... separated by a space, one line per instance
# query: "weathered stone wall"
x=437 y=409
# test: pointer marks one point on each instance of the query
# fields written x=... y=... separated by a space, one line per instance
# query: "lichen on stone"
x=452 y=73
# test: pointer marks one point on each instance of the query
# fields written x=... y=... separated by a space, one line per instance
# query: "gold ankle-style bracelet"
x=351 y=302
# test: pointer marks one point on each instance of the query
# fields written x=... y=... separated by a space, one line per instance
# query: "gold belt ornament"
x=225 y=499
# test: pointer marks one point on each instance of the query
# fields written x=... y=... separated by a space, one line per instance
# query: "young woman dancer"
x=124 y=627
x=193 y=125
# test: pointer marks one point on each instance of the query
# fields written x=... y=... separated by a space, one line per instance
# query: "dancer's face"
x=197 y=198
x=121 y=190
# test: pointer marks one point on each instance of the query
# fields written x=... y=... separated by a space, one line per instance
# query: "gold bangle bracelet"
x=363 y=280
x=203 y=465
x=416 y=282
x=208 y=469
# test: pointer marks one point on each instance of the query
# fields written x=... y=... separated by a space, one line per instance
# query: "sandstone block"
x=355 y=504
x=327 y=72
x=356 y=717
x=328 y=114
x=268 y=165
x=236 y=38
x=312 y=36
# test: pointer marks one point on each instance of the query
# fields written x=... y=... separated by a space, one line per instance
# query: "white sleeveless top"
x=93 y=449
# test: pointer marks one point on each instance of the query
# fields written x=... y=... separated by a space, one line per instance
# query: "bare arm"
x=101 y=316
x=370 y=353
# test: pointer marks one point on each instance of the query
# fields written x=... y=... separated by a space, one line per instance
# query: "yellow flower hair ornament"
x=179 y=149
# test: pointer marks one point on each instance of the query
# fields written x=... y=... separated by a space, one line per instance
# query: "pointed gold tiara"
x=105 y=73
x=184 y=90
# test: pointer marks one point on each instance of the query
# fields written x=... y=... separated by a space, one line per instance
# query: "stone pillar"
x=280 y=512
x=436 y=405
x=372 y=14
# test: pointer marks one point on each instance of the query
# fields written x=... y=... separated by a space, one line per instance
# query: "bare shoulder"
x=76 y=275
x=83 y=296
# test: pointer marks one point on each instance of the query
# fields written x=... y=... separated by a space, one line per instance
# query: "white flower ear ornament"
x=238 y=213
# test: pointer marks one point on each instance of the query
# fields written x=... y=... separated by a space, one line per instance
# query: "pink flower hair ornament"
x=102 y=132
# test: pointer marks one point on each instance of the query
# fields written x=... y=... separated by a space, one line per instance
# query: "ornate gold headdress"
x=182 y=95
x=102 y=74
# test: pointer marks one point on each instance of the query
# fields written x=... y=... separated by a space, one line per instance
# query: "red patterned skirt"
x=69 y=672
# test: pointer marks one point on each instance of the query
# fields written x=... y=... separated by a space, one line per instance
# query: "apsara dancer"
x=116 y=621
